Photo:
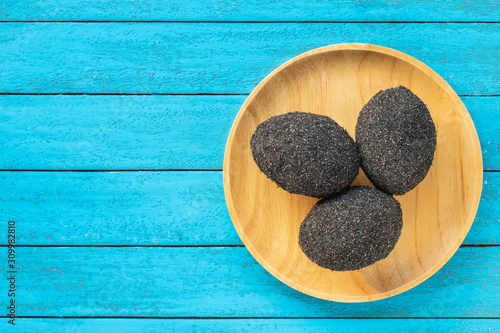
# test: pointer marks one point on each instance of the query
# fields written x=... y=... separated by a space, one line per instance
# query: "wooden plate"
x=337 y=81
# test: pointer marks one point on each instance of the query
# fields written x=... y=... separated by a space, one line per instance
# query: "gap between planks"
x=242 y=318
x=132 y=170
x=170 y=94
x=251 y=22
x=178 y=246
x=108 y=170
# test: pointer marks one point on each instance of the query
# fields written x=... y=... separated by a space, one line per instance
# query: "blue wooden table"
x=113 y=121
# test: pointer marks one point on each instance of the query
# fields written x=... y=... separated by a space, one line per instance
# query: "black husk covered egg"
x=351 y=230
x=305 y=153
x=396 y=140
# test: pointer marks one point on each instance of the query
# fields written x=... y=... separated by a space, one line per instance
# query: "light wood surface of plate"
x=337 y=81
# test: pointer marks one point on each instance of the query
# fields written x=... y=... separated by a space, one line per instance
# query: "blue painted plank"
x=221 y=57
x=485 y=114
x=150 y=208
x=115 y=132
x=225 y=282
x=253 y=325
x=486 y=227
x=103 y=208
x=149 y=132
x=253 y=10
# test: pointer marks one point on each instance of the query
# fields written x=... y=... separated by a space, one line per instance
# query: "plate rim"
x=477 y=190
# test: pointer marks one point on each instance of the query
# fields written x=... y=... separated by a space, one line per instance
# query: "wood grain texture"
x=221 y=57
x=189 y=132
x=150 y=132
x=254 y=325
x=117 y=208
x=151 y=208
x=212 y=10
x=115 y=132
x=336 y=81
x=226 y=282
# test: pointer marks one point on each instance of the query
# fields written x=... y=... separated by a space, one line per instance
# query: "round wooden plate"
x=337 y=81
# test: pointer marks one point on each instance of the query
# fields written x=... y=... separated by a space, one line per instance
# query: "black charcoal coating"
x=352 y=230
x=305 y=153
x=396 y=140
